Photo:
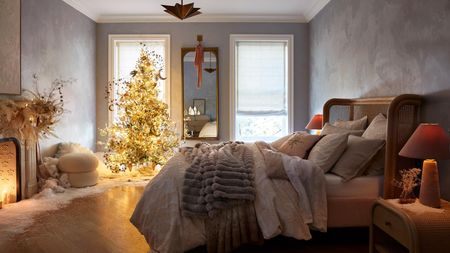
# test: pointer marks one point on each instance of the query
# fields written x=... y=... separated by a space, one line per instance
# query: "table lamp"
x=315 y=123
x=428 y=142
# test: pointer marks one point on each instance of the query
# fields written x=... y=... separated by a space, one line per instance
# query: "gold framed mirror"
x=200 y=97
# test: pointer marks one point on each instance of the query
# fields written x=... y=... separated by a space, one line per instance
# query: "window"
x=124 y=51
x=261 y=86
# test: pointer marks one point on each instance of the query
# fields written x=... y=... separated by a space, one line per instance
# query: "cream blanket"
x=283 y=207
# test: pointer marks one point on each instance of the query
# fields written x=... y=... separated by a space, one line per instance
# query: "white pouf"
x=84 y=179
x=81 y=168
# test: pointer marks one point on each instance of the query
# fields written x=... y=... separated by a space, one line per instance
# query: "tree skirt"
x=16 y=218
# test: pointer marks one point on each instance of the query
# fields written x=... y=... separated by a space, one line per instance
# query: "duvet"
x=283 y=207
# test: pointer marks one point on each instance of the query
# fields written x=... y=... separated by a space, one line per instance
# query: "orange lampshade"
x=315 y=123
x=429 y=141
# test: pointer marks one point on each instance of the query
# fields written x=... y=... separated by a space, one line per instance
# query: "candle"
x=2 y=198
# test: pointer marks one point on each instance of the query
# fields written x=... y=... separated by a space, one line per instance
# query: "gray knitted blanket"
x=220 y=177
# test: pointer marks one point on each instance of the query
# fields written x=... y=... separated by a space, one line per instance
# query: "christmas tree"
x=143 y=136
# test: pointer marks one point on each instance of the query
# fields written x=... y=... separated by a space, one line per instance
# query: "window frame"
x=289 y=39
x=114 y=38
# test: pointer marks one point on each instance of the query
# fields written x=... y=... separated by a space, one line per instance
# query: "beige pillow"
x=377 y=128
x=274 y=164
x=330 y=129
x=328 y=150
x=64 y=148
x=356 y=157
x=77 y=163
x=376 y=166
x=277 y=144
x=299 y=144
x=359 y=124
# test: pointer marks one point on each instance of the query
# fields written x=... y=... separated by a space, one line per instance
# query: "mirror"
x=200 y=98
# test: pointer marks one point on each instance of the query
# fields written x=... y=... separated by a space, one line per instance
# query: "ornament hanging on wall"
x=210 y=69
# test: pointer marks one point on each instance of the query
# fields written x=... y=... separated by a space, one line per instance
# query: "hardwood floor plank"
x=100 y=224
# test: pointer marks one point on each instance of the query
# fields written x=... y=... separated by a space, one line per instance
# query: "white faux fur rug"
x=16 y=218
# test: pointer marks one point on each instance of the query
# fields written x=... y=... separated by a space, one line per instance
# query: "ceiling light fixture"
x=182 y=11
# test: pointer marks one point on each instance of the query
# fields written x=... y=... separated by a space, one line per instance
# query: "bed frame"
x=403 y=114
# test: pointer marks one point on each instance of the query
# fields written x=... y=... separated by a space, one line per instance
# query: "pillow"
x=77 y=163
x=356 y=157
x=277 y=143
x=274 y=164
x=330 y=129
x=377 y=128
x=359 y=124
x=328 y=150
x=70 y=147
x=299 y=144
x=376 y=166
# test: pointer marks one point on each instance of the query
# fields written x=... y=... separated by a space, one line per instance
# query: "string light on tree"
x=143 y=135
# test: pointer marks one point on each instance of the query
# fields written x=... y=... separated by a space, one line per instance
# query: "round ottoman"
x=81 y=169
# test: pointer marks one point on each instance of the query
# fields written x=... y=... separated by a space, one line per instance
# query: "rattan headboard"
x=403 y=114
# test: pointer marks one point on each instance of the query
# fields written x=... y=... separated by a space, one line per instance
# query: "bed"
x=349 y=203
x=278 y=203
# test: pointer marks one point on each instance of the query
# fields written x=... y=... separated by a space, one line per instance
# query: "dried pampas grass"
x=34 y=116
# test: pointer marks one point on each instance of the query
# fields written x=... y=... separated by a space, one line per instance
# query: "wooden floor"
x=100 y=224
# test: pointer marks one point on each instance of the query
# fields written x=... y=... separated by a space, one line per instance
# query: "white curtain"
x=261 y=90
x=261 y=77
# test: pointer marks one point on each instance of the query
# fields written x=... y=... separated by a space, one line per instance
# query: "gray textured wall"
x=59 y=42
x=10 y=47
x=384 y=48
x=214 y=35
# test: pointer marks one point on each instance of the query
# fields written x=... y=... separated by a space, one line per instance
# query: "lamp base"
x=429 y=188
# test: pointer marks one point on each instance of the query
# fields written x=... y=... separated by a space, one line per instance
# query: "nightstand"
x=409 y=228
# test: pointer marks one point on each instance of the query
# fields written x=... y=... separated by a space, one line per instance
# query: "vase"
x=407 y=197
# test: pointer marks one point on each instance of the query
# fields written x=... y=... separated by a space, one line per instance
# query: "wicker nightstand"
x=409 y=228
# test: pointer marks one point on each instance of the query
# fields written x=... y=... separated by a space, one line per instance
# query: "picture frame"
x=10 y=64
x=200 y=104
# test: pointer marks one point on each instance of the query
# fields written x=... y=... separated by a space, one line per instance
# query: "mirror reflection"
x=200 y=94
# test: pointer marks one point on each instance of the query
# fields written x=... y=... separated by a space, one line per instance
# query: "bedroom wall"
x=214 y=35
x=384 y=48
x=59 y=42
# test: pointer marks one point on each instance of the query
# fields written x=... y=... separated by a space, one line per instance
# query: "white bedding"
x=280 y=207
x=367 y=187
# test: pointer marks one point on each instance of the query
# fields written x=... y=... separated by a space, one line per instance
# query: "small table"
x=410 y=228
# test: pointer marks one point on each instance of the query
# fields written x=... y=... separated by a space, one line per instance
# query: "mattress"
x=349 y=203
x=359 y=188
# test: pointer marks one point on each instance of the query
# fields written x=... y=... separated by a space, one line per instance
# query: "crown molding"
x=77 y=5
x=163 y=18
x=315 y=9
x=202 y=18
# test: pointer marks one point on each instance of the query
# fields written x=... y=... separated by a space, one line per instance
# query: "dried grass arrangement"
x=35 y=115
x=409 y=180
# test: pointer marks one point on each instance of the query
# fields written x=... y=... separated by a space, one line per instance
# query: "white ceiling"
x=106 y=11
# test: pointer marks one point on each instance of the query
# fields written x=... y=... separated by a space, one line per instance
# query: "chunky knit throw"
x=219 y=186
x=220 y=177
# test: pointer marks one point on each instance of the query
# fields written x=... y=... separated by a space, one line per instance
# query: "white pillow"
x=357 y=156
x=330 y=129
x=328 y=150
x=377 y=128
x=359 y=124
x=70 y=147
